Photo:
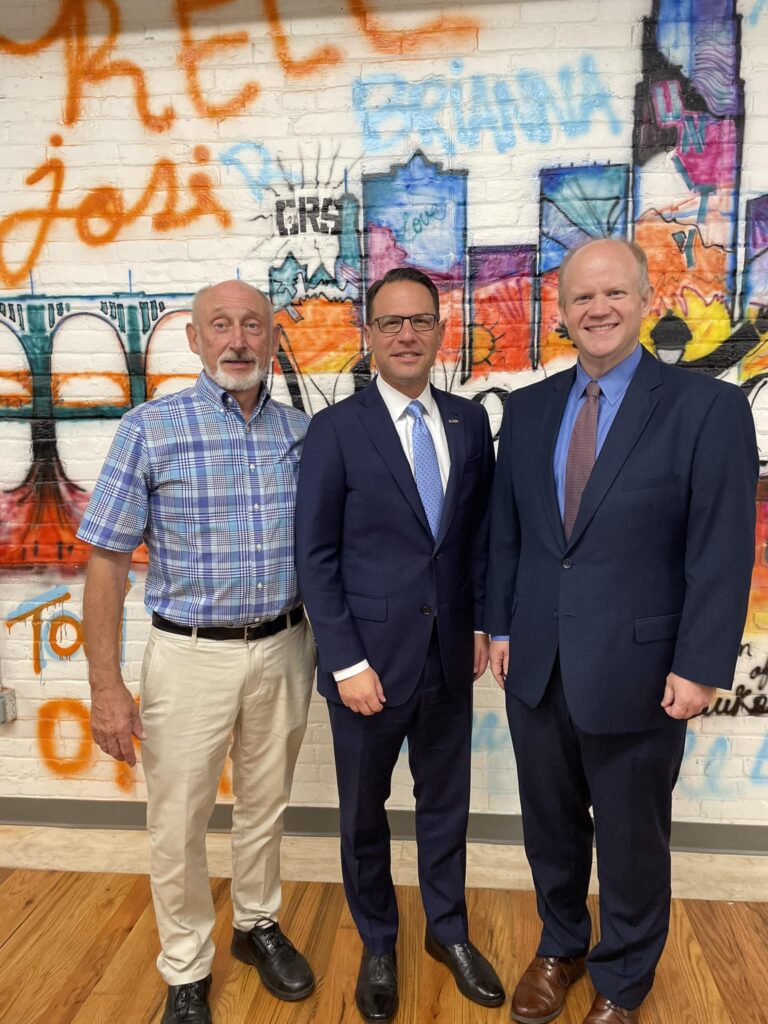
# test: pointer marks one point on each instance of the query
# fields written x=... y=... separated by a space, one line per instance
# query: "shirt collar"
x=614 y=383
x=396 y=402
x=213 y=392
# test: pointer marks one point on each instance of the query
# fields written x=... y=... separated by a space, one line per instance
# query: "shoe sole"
x=288 y=997
x=473 y=997
x=552 y=1016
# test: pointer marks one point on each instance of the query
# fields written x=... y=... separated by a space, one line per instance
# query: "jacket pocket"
x=657 y=627
x=372 y=608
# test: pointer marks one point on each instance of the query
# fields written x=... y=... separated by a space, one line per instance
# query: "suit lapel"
x=636 y=409
x=561 y=385
x=381 y=431
x=454 y=426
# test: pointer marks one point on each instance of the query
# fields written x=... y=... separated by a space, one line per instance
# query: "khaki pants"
x=196 y=695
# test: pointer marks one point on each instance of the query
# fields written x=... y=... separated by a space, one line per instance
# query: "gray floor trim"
x=324 y=821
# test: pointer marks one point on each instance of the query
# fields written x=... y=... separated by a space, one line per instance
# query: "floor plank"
x=22 y=892
x=81 y=949
x=734 y=942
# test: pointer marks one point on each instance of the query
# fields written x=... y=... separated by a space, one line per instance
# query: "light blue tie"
x=426 y=468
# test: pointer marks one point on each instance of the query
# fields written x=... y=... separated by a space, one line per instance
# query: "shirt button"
x=567 y=563
x=252 y=466
x=426 y=610
x=256 y=505
x=258 y=547
x=258 y=586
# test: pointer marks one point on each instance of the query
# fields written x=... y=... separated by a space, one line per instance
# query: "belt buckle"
x=249 y=631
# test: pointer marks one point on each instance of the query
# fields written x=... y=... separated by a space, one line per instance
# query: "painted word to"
x=444 y=113
x=56 y=632
x=299 y=216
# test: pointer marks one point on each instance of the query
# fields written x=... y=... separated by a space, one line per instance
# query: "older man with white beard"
x=206 y=478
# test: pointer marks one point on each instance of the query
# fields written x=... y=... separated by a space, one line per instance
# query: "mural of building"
x=451 y=146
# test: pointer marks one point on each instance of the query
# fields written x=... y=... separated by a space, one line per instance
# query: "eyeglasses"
x=421 y=322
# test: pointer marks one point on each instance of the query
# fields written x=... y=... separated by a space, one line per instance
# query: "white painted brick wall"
x=310 y=125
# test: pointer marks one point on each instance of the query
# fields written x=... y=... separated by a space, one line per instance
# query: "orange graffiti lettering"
x=65 y=650
x=36 y=615
x=192 y=53
x=323 y=56
x=90 y=65
x=102 y=213
x=409 y=40
x=47 y=721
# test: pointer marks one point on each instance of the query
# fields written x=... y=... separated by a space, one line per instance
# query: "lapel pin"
x=452 y=421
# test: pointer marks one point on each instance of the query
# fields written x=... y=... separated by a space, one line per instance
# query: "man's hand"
x=481 y=655
x=363 y=692
x=114 y=718
x=683 y=699
x=499 y=660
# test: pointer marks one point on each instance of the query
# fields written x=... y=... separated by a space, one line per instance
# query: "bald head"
x=211 y=293
x=233 y=332
x=607 y=245
x=604 y=297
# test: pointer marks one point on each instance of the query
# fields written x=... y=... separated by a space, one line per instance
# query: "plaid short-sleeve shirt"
x=213 y=498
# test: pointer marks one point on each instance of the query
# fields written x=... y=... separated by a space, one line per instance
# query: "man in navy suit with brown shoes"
x=391 y=528
x=622 y=544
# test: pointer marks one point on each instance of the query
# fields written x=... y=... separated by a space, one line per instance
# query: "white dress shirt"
x=397 y=403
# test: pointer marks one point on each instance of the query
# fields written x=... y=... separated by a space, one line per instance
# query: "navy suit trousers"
x=627 y=779
x=438 y=727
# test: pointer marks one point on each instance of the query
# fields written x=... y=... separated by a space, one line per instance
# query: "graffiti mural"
x=310 y=157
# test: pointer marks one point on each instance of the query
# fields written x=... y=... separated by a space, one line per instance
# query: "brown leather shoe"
x=605 y=1012
x=541 y=991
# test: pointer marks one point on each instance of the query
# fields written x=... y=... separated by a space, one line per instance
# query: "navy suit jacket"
x=371 y=575
x=655 y=577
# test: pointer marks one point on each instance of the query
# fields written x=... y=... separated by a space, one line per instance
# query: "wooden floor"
x=80 y=949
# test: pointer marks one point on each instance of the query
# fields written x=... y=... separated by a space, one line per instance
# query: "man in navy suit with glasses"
x=391 y=525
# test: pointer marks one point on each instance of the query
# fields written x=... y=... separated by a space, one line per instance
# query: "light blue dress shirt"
x=613 y=387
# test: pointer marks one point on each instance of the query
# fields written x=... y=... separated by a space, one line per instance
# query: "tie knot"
x=415 y=409
x=593 y=389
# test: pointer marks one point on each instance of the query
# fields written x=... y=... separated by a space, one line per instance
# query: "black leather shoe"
x=283 y=970
x=475 y=978
x=188 y=1004
x=376 y=990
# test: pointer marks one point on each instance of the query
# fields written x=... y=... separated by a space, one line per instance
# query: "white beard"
x=235 y=382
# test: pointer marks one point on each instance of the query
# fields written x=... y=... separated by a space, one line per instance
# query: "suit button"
x=567 y=563
x=426 y=610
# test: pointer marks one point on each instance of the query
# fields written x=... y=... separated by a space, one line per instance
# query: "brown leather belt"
x=253 y=631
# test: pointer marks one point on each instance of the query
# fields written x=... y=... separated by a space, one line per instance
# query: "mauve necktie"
x=426 y=468
x=581 y=456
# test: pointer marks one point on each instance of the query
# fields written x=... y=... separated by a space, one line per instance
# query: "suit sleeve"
x=320 y=506
x=480 y=538
x=720 y=543
x=504 y=543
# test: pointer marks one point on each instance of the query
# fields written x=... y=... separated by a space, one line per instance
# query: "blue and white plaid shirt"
x=213 y=498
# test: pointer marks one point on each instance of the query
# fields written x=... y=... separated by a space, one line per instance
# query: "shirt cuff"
x=505 y=639
x=347 y=673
